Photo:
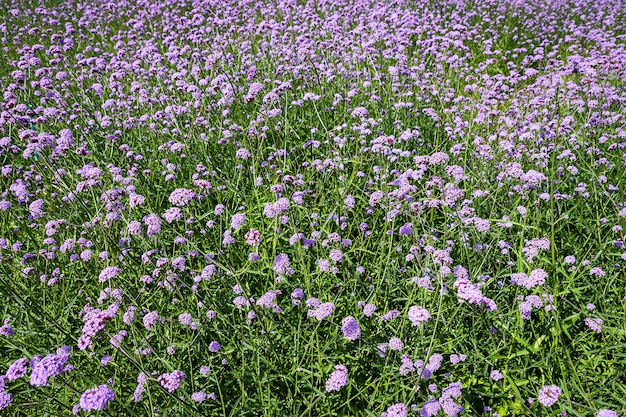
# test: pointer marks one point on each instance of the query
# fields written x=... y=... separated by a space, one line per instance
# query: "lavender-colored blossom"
x=199 y=396
x=406 y=229
x=606 y=413
x=171 y=381
x=18 y=369
x=338 y=379
x=296 y=296
x=496 y=375
x=322 y=311
x=108 y=273
x=396 y=343
x=594 y=323
x=237 y=221
x=430 y=408
x=396 y=410
x=181 y=197
x=48 y=367
x=172 y=214
x=418 y=315
x=6 y=398
x=153 y=223
x=549 y=395
x=150 y=319
x=336 y=255
x=350 y=328
x=282 y=265
x=6 y=329
x=253 y=237
x=369 y=309
x=96 y=398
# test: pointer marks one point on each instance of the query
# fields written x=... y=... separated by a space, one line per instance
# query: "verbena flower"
x=396 y=410
x=5 y=399
x=108 y=273
x=549 y=395
x=338 y=379
x=237 y=221
x=171 y=381
x=396 y=343
x=18 y=369
x=350 y=328
x=496 y=375
x=96 y=398
x=594 y=323
x=322 y=311
x=181 y=196
x=418 y=315
x=48 y=367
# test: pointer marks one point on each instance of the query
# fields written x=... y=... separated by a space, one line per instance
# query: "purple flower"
x=597 y=271
x=396 y=343
x=214 y=346
x=396 y=410
x=454 y=358
x=48 y=367
x=549 y=395
x=6 y=329
x=296 y=296
x=237 y=221
x=369 y=309
x=181 y=197
x=96 y=398
x=570 y=259
x=282 y=265
x=390 y=315
x=253 y=237
x=350 y=328
x=199 y=396
x=241 y=301
x=185 y=319
x=242 y=153
x=338 y=379
x=496 y=375
x=322 y=311
x=418 y=315
x=268 y=300
x=430 y=408
x=336 y=255
x=94 y=321
x=36 y=209
x=136 y=200
x=172 y=381
x=172 y=214
x=594 y=324
x=5 y=399
x=606 y=413
x=536 y=277
x=108 y=273
x=153 y=223
x=150 y=319
x=406 y=229
x=17 y=369
x=228 y=238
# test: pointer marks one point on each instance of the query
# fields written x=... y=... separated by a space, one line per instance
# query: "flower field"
x=313 y=208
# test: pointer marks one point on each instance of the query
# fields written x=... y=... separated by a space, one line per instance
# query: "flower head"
x=338 y=379
x=96 y=398
x=350 y=328
x=549 y=395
